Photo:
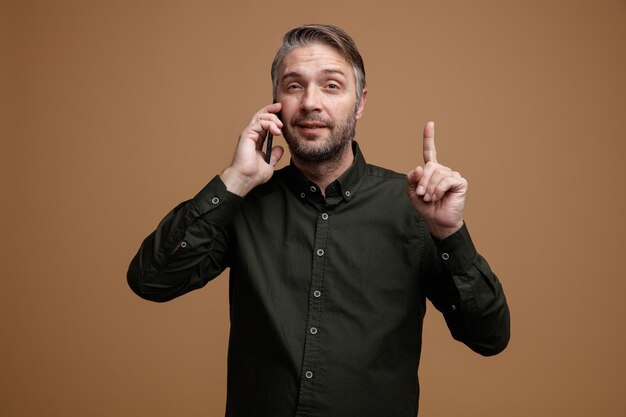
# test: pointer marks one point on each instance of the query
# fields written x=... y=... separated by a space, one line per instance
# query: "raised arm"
x=460 y=282
x=190 y=246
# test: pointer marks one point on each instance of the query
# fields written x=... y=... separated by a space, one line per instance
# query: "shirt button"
x=302 y=195
x=320 y=252
x=312 y=188
x=308 y=374
x=183 y=244
x=313 y=330
x=347 y=193
x=445 y=256
x=317 y=294
x=453 y=307
x=324 y=216
x=215 y=200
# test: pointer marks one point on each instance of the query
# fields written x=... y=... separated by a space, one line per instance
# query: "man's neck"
x=325 y=173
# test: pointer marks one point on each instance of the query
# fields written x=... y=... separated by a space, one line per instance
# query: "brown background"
x=114 y=111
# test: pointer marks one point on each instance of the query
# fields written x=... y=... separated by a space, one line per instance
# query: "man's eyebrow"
x=290 y=74
x=333 y=71
x=296 y=74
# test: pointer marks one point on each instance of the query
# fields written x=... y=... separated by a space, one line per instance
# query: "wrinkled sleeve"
x=189 y=247
x=463 y=287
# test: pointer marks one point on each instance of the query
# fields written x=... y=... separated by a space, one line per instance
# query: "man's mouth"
x=311 y=126
x=311 y=129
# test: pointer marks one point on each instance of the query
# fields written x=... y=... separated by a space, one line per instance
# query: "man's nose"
x=311 y=99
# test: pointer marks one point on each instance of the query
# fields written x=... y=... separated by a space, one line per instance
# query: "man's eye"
x=293 y=86
x=333 y=86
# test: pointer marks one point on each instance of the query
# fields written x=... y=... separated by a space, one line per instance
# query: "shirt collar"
x=345 y=187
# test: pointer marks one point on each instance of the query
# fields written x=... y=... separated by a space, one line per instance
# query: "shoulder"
x=383 y=178
x=376 y=171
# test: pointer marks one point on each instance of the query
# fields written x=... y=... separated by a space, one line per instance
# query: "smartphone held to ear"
x=268 y=148
x=268 y=142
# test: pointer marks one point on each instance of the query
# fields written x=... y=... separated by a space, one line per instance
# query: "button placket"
x=314 y=319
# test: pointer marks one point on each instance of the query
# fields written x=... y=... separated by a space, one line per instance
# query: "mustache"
x=311 y=118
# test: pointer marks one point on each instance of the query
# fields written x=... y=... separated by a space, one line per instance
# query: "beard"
x=330 y=149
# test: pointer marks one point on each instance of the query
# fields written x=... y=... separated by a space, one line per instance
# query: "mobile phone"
x=268 y=148
x=268 y=142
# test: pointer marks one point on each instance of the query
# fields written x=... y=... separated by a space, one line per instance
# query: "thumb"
x=277 y=153
x=414 y=177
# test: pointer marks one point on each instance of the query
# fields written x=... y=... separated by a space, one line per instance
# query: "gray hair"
x=326 y=35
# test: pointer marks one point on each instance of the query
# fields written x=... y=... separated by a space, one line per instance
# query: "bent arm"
x=469 y=295
x=188 y=248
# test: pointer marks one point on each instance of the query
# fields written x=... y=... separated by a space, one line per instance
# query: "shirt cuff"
x=457 y=251
x=215 y=196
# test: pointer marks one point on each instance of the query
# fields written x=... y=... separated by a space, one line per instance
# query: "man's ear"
x=361 y=108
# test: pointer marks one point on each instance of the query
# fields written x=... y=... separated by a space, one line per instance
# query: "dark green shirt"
x=327 y=295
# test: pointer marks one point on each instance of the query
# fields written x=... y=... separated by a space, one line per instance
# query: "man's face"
x=316 y=87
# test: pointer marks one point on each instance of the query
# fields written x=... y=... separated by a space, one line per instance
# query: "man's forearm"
x=188 y=248
x=474 y=304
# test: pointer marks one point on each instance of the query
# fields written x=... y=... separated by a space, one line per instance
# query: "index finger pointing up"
x=430 y=153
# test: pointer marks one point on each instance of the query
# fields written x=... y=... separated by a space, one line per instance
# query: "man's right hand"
x=248 y=168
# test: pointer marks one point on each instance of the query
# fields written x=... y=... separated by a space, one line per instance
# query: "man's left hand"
x=437 y=192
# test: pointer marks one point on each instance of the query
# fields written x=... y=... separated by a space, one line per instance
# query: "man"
x=330 y=262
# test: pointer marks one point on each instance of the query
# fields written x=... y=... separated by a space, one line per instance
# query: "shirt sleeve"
x=188 y=248
x=465 y=289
